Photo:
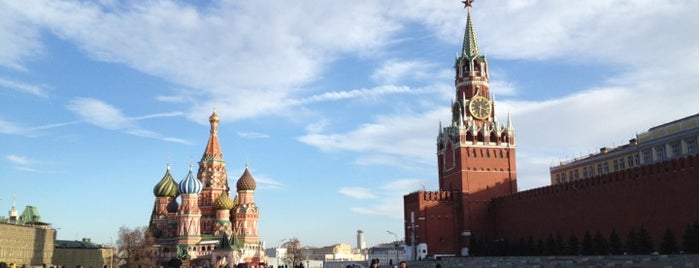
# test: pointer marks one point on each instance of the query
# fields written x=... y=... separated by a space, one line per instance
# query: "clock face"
x=480 y=107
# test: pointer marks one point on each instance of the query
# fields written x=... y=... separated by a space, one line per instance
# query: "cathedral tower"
x=213 y=176
x=189 y=214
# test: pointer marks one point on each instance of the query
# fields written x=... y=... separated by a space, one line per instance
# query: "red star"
x=467 y=3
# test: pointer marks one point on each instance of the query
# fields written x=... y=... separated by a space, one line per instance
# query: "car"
x=354 y=265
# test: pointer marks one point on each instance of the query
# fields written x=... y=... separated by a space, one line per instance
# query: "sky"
x=334 y=105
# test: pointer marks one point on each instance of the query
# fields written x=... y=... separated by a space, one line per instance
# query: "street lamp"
x=396 y=244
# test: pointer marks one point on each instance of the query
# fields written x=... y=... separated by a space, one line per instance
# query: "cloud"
x=252 y=135
x=250 y=52
x=380 y=137
x=35 y=90
x=395 y=71
x=18 y=160
x=357 y=192
x=104 y=115
x=21 y=163
x=21 y=39
x=99 y=113
x=355 y=93
x=10 y=128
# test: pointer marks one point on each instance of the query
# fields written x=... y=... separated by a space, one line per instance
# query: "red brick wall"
x=660 y=196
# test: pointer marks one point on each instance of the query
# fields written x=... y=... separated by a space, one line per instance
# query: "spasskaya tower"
x=476 y=162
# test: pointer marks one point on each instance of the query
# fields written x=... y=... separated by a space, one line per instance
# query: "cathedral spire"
x=213 y=149
x=470 y=45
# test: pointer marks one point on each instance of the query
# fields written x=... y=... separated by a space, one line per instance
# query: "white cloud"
x=357 y=192
x=104 y=115
x=233 y=52
x=412 y=133
x=10 y=128
x=35 y=90
x=396 y=71
x=99 y=113
x=19 y=160
x=252 y=135
x=21 y=39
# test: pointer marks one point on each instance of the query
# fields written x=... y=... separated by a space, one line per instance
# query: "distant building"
x=25 y=239
x=667 y=141
x=207 y=227
x=361 y=241
x=389 y=253
x=82 y=254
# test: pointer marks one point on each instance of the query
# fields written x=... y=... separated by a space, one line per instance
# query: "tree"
x=615 y=246
x=599 y=244
x=669 y=245
x=587 y=246
x=135 y=247
x=691 y=238
x=645 y=243
x=294 y=252
x=573 y=245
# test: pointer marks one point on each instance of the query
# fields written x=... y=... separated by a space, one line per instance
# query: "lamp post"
x=396 y=245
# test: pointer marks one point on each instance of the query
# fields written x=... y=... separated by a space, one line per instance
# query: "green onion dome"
x=224 y=202
x=166 y=187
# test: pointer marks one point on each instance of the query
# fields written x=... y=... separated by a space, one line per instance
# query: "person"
x=403 y=264
x=374 y=263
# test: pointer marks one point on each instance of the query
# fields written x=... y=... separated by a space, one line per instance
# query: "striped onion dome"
x=224 y=202
x=246 y=181
x=190 y=184
x=167 y=187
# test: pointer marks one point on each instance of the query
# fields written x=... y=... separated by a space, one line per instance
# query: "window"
x=576 y=174
x=585 y=174
x=606 y=167
x=622 y=164
x=691 y=146
x=599 y=169
x=660 y=153
x=629 y=160
x=647 y=156
x=676 y=149
x=616 y=165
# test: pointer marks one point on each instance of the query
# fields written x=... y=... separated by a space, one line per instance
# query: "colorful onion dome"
x=190 y=184
x=167 y=187
x=246 y=181
x=224 y=202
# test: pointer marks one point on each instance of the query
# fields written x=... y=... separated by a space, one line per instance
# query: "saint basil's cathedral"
x=208 y=227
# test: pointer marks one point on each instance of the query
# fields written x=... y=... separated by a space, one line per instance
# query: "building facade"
x=672 y=140
x=207 y=227
x=476 y=161
x=83 y=253
x=25 y=239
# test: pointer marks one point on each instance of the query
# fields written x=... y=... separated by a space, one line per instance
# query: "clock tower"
x=475 y=152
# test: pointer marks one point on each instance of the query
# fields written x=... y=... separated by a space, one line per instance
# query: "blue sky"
x=335 y=105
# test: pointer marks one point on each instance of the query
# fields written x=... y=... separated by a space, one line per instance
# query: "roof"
x=77 y=244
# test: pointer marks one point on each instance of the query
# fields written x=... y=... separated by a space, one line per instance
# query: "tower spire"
x=470 y=45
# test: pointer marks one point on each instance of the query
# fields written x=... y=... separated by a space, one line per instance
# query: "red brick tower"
x=212 y=174
x=476 y=162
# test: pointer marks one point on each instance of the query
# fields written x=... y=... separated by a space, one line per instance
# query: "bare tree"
x=294 y=252
x=135 y=247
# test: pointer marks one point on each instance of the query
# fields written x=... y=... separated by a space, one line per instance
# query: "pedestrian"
x=374 y=263
x=403 y=264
